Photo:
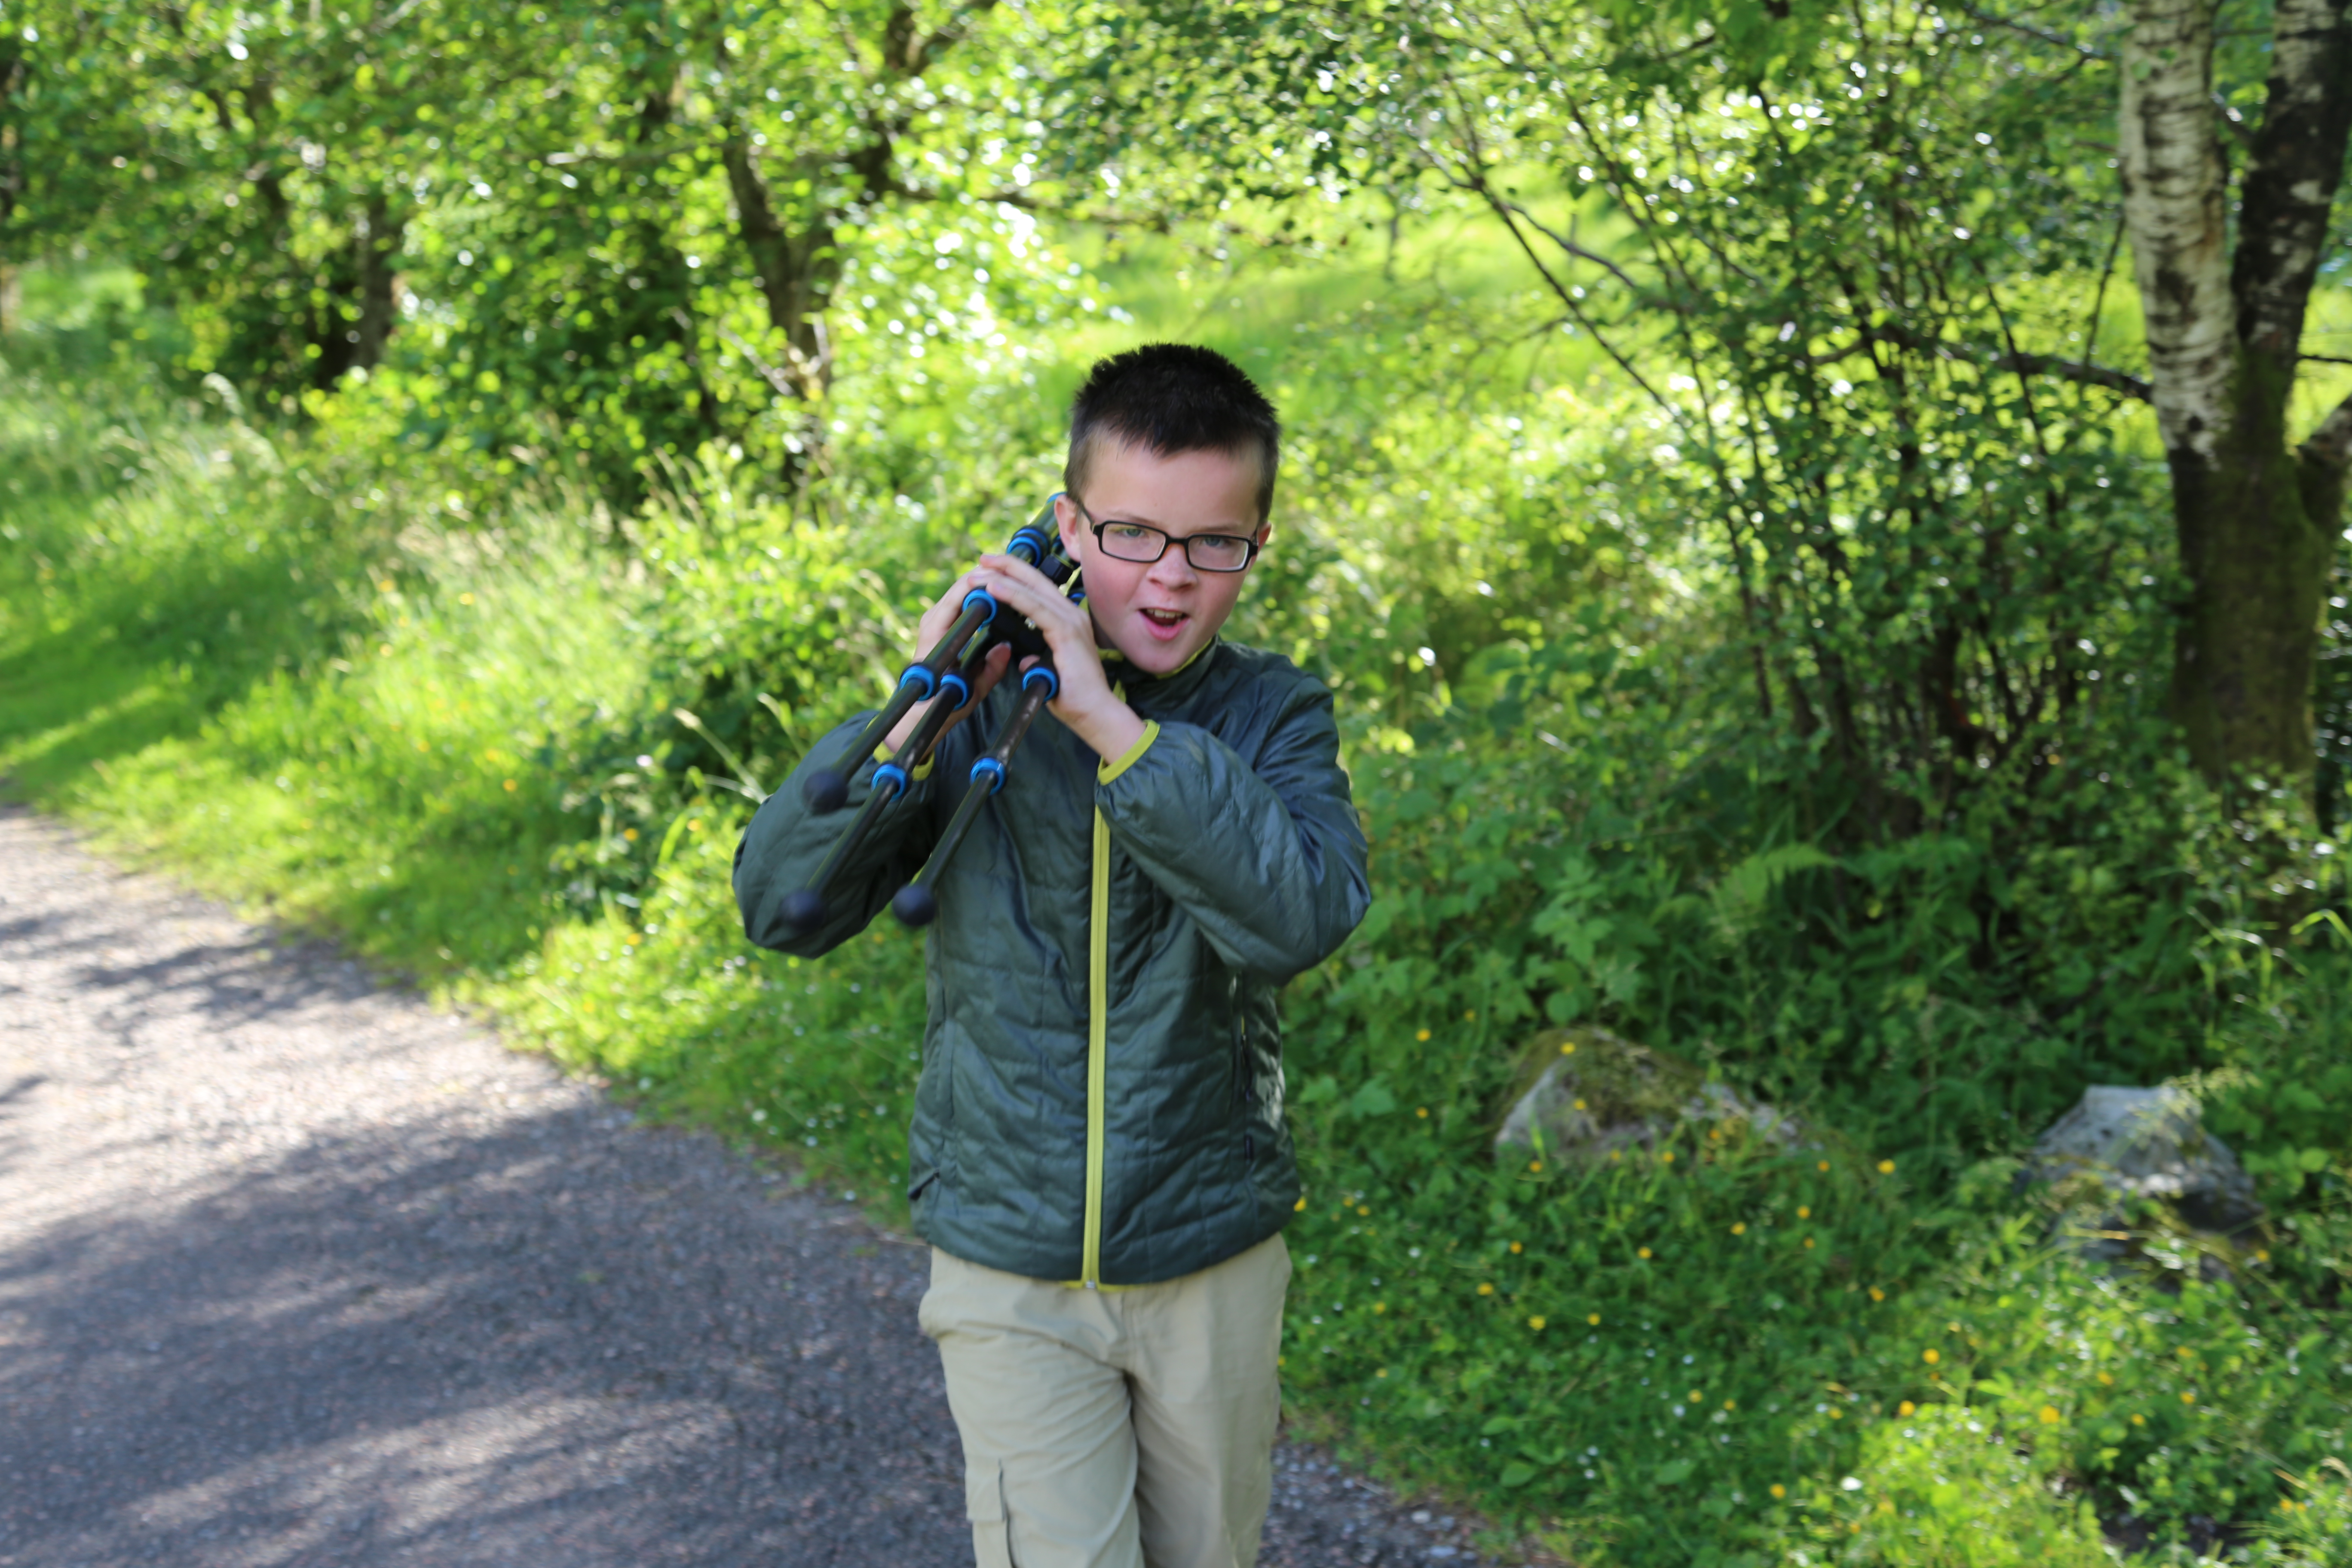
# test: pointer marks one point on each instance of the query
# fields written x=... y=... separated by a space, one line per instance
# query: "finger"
x=1038 y=601
x=992 y=670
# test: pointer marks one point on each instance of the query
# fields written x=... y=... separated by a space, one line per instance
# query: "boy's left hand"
x=1086 y=703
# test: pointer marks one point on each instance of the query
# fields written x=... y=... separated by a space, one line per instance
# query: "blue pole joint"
x=957 y=689
x=980 y=597
x=1039 y=672
x=919 y=676
x=1027 y=544
x=992 y=770
x=892 y=774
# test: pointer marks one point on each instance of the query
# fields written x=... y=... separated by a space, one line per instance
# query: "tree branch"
x=2298 y=160
x=2076 y=370
x=2054 y=40
x=2331 y=443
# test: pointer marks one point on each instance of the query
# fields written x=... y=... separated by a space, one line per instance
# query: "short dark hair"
x=1171 y=398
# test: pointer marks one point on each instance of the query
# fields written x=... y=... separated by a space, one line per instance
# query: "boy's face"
x=1159 y=614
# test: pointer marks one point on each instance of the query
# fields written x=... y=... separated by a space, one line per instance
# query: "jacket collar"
x=1161 y=691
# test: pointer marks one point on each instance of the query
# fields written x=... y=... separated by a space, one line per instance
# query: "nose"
x=1173 y=569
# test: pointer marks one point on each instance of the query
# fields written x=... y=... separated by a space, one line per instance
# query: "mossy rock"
x=1584 y=1093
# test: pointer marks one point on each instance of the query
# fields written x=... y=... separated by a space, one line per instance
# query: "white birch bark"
x=2175 y=209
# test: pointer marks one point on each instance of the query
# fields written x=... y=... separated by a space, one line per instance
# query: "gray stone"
x=2148 y=1143
x=1593 y=1091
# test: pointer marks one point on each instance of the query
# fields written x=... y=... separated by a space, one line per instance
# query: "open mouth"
x=1165 y=624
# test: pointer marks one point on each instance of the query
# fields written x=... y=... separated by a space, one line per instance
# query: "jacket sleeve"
x=1268 y=856
x=785 y=842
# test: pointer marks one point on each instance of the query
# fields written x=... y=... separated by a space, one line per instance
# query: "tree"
x=1853 y=262
x=2257 y=519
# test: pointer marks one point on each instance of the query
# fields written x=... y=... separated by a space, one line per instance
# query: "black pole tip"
x=914 y=906
x=826 y=790
x=805 y=910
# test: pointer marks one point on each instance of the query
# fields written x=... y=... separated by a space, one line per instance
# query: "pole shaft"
x=1035 y=695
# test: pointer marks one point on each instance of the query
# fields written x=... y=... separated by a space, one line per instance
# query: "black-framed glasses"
x=1142 y=544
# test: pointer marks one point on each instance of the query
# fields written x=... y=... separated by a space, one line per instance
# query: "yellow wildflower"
x=1422 y=1113
x=1536 y=1323
x=1931 y=1355
x=510 y=786
x=1568 y=1048
x=1779 y=1490
x=2050 y=1415
x=1876 y=1294
x=1905 y=1409
x=2140 y=1420
x=1668 y=1157
x=1592 y=1318
x=1300 y=1205
x=1424 y=1036
x=1486 y=1289
x=1382 y=1373
x=1379 y=1307
x=1643 y=1252
x=1740 y=1228
x=1535 y=1167
x=1515 y=1246
x=1886 y=1167
x=1823 y=1165
x=2187 y=1398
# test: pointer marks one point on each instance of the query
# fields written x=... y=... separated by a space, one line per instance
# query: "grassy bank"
x=501 y=741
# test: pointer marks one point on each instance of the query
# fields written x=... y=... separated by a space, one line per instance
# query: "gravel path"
x=294 y=1269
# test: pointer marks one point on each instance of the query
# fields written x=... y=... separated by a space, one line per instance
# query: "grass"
x=288 y=670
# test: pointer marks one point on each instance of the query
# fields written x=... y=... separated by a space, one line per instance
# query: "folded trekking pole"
x=976 y=632
x=914 y=904
x=1037 y=543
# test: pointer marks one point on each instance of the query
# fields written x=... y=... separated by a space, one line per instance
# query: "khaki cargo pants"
x=1114 y=1429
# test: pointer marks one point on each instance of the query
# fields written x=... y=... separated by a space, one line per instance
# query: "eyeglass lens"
x=1141 y=542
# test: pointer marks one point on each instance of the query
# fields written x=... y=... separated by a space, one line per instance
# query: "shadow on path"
x=560 y=1342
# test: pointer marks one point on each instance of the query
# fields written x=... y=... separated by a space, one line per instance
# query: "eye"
x=1220 y=549
x=1125 y=532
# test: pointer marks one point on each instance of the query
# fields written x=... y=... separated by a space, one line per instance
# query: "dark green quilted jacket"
x=1101 y=1097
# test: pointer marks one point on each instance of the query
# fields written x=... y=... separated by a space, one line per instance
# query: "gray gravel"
x=295 y=1269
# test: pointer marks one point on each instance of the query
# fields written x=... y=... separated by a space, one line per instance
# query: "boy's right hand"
x=935 y=623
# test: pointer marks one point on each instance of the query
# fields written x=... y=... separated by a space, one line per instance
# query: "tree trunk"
x=796 y=273
x=2255 y=519
x=12 y=185
x=378 y=241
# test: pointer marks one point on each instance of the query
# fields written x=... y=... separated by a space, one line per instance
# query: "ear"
x=1067 y=524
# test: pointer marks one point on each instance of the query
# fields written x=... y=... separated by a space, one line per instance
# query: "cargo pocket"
x=991 y=1536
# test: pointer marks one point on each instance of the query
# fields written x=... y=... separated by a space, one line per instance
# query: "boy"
x=1100 y=1157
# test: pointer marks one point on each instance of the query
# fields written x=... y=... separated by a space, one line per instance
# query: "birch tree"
x=2257 y=515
